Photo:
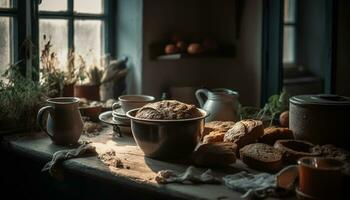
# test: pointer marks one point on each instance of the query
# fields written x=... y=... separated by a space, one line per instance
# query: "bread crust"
x=215 y=154
x=262 y=157
x=272 y=134
x=293 y=150
x=214 y=131
x=168 y=110
x=244 y=132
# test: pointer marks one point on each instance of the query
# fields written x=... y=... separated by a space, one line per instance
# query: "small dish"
x=119 y=111
x=118 y=127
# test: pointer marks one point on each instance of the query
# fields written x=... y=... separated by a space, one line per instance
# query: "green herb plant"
x=275 y=105
x=20 y=98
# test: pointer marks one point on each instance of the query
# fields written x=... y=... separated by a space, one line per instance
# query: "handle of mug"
x=199 y=96
x=39 y=118
x=116 y=105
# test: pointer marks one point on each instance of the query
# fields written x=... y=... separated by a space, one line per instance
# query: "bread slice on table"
x=215 y=154
x=214 y=136
x=244 y=132
x=262 y=157
x=272 y=134
x=222 y=126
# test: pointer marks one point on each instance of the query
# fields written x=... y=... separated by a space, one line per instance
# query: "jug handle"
x=200 y=98
x=39 y=118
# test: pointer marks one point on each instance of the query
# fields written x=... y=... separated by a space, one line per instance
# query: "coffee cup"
x=320 y=178
x=129 y=102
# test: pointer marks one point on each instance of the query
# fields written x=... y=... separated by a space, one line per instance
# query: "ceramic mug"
x=320 y=178
x=129 y=102
x=64 y=124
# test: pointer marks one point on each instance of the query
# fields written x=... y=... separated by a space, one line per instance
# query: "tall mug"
x=64 y=124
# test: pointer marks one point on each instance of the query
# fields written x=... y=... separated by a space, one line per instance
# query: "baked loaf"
x=215 y=154
x=214 y=136
x=222 y=126
x=262 y=157
x=244 y=132
x=295 y=149
x=168 y=110
x=214 y=131
x=272 y=134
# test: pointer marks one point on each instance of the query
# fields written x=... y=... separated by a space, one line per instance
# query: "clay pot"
x=68 y=90
x=320 y=178
x=91 y=92
x=92 y=112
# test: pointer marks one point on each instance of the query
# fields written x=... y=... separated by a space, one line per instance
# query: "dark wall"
x=343 y=49
x=311 y=36
x=241 y=73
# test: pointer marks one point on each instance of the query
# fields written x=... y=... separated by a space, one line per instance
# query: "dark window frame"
x=12 y=13
x=107 y=17
x=295 y=25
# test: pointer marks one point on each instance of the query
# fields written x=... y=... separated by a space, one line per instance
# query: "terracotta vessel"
x=64 y=124
x=320 y=178
x=91 y=92
x=68 y=90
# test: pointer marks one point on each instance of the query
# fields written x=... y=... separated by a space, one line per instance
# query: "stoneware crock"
x=320 y=119
x=64 y=124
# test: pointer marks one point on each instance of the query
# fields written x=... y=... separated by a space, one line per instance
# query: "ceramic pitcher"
x=64 y=124
x=221 y=103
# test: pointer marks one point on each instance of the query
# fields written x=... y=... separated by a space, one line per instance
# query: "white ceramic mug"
x=129 y=102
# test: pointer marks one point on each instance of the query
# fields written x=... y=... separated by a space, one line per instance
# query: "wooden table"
x=140 y=174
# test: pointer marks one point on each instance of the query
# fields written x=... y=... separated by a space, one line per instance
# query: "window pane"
x=289 y=11
x=5 y=4
x=5 y=45
x=88 y=6
x=289 y=44
x=53 y=5
x=55 y=30
x=88 y=40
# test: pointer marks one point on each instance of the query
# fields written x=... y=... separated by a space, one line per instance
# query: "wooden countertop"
x=140 y=174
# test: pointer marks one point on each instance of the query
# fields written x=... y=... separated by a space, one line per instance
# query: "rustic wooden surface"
x=141 y=170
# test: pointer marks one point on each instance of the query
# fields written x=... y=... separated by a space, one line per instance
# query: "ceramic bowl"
x=167 y=139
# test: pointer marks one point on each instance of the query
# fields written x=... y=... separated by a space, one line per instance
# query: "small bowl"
x=167 y=139
x=128 y=102
x=91 y=111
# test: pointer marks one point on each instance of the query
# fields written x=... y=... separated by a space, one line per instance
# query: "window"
x=8 y=16
x=289 y=32
x=78 y=24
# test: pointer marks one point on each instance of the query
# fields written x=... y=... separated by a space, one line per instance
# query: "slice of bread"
x=272 y=134
x=262 y=157
x=222 y=126
x=214 y=136
x=244 y=132
x=215 y=154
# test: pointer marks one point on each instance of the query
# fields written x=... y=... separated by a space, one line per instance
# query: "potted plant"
x=60 y=83
x=20 y=99
x=90 y=79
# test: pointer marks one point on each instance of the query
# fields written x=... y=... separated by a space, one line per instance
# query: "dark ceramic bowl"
x=167 y=139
